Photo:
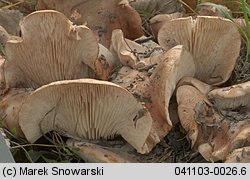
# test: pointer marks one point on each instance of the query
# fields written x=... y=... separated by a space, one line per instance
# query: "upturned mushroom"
x=86 y=109
x=154 y=84
x=207 y=39
x=49 y=51
x=100 y=15
x=217 y=124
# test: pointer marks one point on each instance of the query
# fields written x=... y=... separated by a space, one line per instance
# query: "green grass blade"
x=145 y=14
x=244 y=9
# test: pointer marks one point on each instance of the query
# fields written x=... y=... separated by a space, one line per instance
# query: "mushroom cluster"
x=105 y=79
x=45 y=87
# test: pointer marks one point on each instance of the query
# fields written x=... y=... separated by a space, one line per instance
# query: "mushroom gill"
x=87 y=109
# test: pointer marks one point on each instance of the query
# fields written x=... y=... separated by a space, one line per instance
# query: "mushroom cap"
x=172 y=66
x=232 y=96
x=101 y=16
x=241 y=155
x=88 y=109
x=207 y=39
x=157 y=21
x=10 y=104
x=186 y=110
x=202 y=87
x=214 y=131
x=126 y=51
x=50 y=49
x=135 y=54
x=105 y=63
x=155 y=88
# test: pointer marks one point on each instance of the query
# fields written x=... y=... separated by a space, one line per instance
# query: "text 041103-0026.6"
x=210 y=171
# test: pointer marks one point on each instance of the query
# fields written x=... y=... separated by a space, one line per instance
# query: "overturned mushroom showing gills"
x=51 y=49
x=218 y=124
x=208 y=39
x=155 y=86
x=101 y=16
x=87 y=109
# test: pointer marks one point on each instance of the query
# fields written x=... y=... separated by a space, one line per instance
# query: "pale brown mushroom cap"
x=101 y=16
x=214 y=43
x=186 y=110
x=130 y=53
x=88 y=109
x=216 y=130
x=202 y=87
x=232 y=96
x=120 y=48
x=158 y=21
x=155 y=88
x=241 y=155
x=10 y=104
x=50 y=49
x=105 y=63
x=172 y=66
x=125 y=50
